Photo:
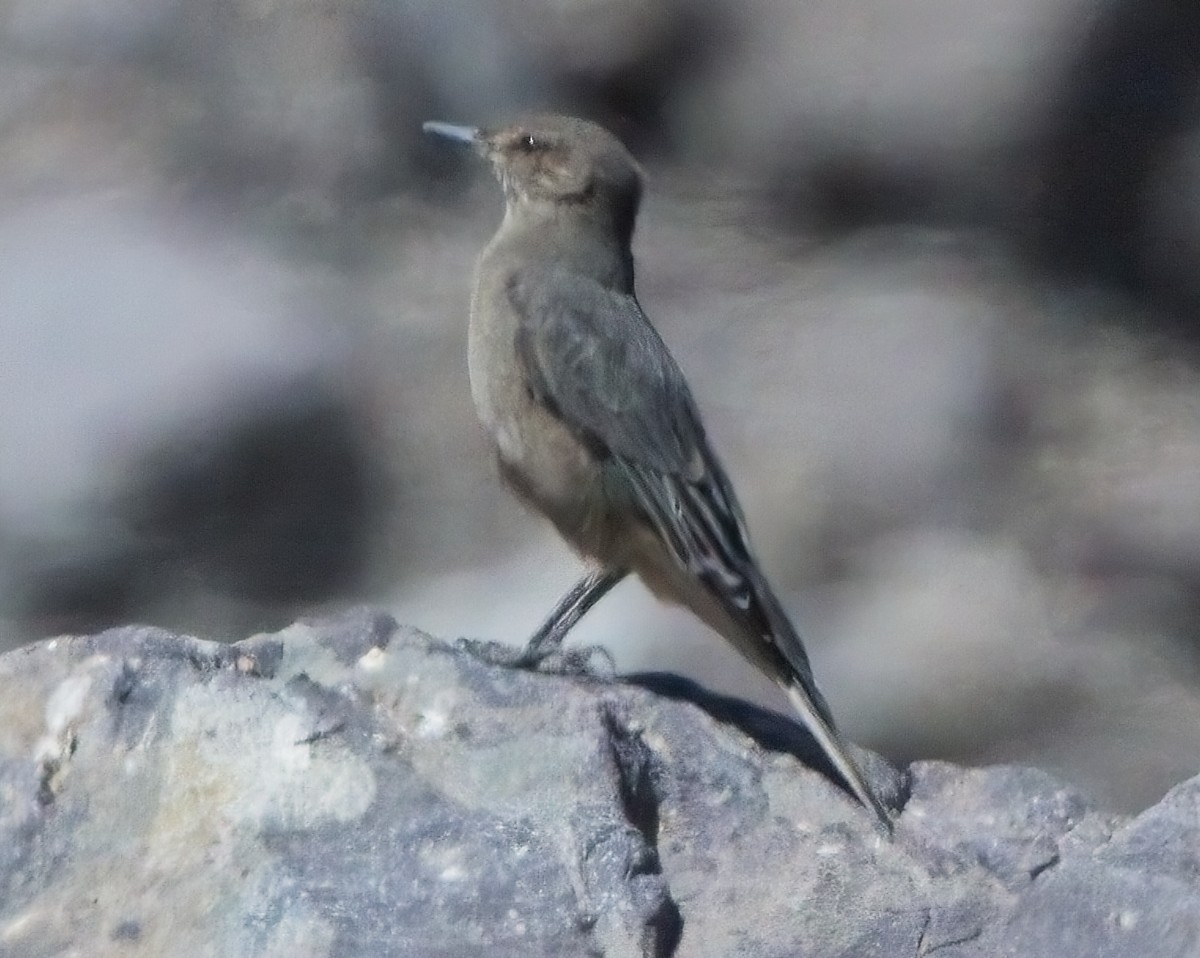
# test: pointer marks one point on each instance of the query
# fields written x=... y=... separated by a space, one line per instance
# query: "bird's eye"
x=528 y=142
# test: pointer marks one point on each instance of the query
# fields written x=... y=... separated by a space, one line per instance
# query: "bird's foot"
x=552 y=660
x=544 y=651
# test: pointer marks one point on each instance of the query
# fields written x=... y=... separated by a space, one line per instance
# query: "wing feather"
x=593 y=358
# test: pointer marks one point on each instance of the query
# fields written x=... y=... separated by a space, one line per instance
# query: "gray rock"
x=349 y=787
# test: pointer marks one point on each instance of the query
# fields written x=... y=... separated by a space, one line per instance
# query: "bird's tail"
x=827 y=738
x=701 y=527
x=808 y=701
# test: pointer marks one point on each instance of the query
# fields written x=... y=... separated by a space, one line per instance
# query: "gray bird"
x=592 y=419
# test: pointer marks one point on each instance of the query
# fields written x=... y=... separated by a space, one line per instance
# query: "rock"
x=350 y=787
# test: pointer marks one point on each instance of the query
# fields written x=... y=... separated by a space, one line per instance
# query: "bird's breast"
x=539 y=457
x=497 y=381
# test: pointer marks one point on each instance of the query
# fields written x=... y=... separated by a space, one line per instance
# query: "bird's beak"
x=468 y=135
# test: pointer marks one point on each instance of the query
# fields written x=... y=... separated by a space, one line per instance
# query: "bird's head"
x=547 y=162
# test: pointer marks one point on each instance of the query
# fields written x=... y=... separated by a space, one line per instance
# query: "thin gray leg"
x=570 y=609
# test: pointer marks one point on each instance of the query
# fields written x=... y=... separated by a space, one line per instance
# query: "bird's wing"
x=593 y=359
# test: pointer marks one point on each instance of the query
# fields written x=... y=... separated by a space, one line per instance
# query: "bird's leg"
x=570 y=609
x=546 y=641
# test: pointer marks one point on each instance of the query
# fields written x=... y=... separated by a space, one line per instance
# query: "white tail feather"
x=829 y=743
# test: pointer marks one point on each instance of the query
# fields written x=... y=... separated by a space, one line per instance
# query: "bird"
x=593 y=423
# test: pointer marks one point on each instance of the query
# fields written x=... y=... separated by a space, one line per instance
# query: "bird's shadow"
x=771 y=730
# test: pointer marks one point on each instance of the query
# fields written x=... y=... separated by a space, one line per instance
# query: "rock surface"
x=349 y=787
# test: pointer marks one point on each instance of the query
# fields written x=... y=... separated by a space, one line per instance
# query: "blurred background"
x=931 y=267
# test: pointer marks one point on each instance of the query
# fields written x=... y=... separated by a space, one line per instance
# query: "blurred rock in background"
x=931 y=268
